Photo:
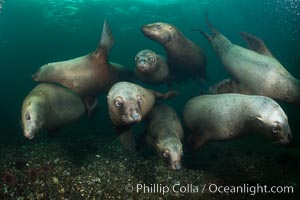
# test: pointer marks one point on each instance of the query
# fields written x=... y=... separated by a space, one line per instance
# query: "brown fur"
x=184 y=57
x=49 y=107
x=164 y=133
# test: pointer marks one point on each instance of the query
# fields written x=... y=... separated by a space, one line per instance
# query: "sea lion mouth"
x=28 y=135
x=147 y=31
x=143 y=68
x=282 y=141
x=176 y=166
x=133 y=118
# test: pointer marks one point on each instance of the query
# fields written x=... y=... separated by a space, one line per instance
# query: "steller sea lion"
x=87 y=75
x=164 y=132
x=226 y=116
x=151 y=67
x=49 y=107
x=128 y=103
x=254 y=71
x=185 y=59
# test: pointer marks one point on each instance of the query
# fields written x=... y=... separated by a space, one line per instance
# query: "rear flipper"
x=228 y=86
x=194 y=142
x=214 y=31
x=256 y=44
x=92 y=106
x=105 y=44
x=126 y=137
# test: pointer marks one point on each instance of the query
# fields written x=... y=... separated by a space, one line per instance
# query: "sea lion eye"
x=275 y=129
x=165 y=154
x=151 y=59
x=157 y=26
x=27 y=117
x=139 y=100
x=136 y=58
x=118 y=104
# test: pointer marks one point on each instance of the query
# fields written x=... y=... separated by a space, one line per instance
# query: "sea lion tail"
x=106 y=40
x=214 y=31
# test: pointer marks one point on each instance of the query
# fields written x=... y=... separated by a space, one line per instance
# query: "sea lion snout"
x=131 y=112
x=28 y=134
x=29 y=129
x=172 y=159
x=143 y=65
x=176 y=166
x=286 y=137
x=136 y=117
x=30 y=124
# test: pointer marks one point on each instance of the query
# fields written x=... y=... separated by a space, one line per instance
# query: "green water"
x=35 y=32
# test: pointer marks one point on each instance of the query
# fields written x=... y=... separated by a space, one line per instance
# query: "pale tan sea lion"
x=226 y=116
x=254 y=71
x=49 y=107
x=185 y=59
x=129 y=103
x=87 y=75
x=164 y=132
x=151 y=67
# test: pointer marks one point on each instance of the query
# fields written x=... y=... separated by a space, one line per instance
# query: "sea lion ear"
x=157 y=144
x=260 y=119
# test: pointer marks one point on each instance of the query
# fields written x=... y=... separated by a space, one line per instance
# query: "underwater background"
x=85 y=160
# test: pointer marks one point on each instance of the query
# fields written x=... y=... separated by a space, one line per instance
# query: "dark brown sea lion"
x=88 y=75
x=185 y=59
x=254 y=71
x=151 y=67
x=128 y=103
x=49 y=107
x=164 y=132
x=226 y=116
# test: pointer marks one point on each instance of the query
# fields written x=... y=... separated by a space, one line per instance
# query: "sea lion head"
x=124 y=104
x=33 y=116
x=275 y=124
x=145 y=60
x=160 y=32
x=171 y=153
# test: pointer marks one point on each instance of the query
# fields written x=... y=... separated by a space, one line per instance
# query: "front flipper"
x=92 y=106
x=126 y=137
x=167 y=95
x=256 y=44
x=228 y=86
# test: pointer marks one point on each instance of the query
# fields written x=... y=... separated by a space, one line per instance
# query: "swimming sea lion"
x=151 y=67
x=164 y=133
x=185 y=59
x=88 y=75
x=128 y=103
x=49 y=107
x=226 y=116
x=254 y=71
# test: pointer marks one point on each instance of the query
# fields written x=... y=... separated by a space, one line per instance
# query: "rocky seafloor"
x=71 y=167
